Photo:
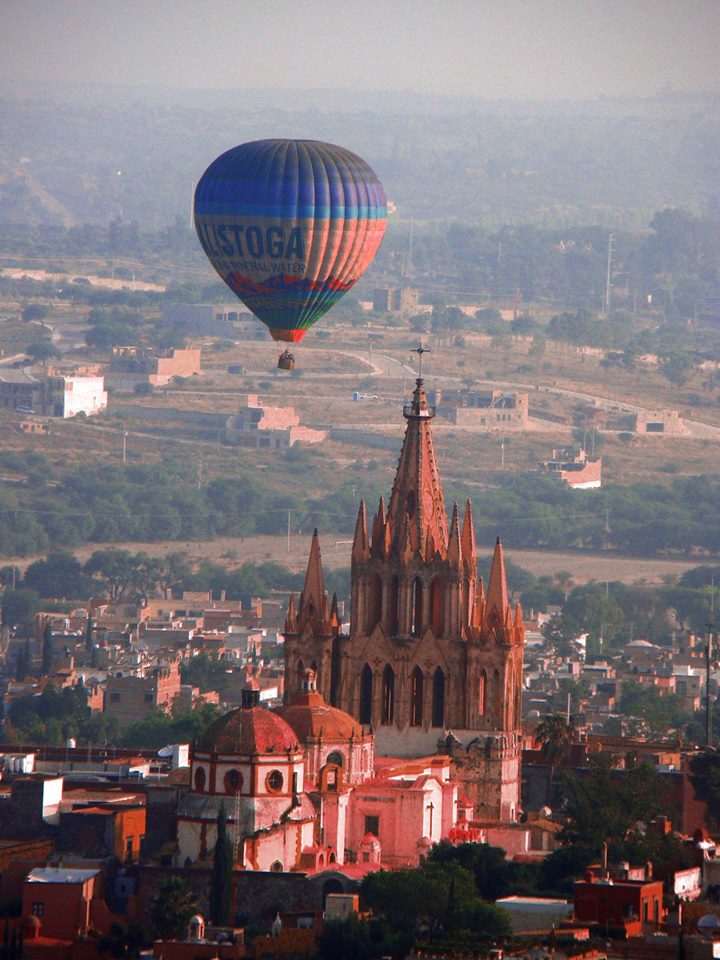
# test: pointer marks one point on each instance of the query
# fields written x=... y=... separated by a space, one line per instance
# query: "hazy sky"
x=518 y=49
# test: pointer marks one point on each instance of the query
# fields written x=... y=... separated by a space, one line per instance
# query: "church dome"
x=311 y=717
x=246 y=731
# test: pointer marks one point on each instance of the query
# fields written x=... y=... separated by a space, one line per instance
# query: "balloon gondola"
x=290 y=226
x=286 y=361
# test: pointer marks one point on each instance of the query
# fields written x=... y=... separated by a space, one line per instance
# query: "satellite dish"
x=165 y=752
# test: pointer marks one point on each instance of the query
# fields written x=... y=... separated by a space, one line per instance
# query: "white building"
x=72 y=395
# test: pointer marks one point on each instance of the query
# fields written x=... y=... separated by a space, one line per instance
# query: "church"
x=432 y=662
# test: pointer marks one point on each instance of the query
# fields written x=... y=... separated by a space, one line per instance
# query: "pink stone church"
x=402 y=733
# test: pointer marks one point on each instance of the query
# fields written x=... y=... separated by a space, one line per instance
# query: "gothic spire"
x=416 y=503
x=361 y=547
x=455 y=553
x=496 y=603
x=469 y=547
x=313 y=598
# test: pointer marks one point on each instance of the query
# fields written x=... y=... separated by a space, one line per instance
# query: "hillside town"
x=436 y=721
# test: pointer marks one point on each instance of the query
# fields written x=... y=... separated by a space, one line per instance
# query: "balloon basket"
x=286 y=361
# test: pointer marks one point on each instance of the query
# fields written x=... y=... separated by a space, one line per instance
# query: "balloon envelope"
x=290 y=226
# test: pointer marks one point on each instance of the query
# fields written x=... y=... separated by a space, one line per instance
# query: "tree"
x=553 y=735
x=221 y=896
x=34 y=312
x=705 y=778
x=171 y=908
x=634 y=794
x=114 y=570
x=19 y=608
x=488 y=865
x=43 y=350
x=47 y=649
x=59 y=575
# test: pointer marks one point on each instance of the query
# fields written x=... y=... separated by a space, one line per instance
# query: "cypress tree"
x=221 y=895
x=89 y=631
x=22 y=663
x=47 y=649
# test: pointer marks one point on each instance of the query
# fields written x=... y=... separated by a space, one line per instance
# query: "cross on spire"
x=420 y=351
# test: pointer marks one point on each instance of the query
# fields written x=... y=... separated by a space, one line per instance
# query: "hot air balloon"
x=290 y=226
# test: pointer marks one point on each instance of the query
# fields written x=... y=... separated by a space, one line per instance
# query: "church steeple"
x=496 y=604
x=313 y=598
x=417 y=509
x=361 y=547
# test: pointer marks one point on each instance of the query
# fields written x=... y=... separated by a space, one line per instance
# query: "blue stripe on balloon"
x=223 y=208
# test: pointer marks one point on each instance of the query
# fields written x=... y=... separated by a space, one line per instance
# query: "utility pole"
x=608 y=286
x=124 y=455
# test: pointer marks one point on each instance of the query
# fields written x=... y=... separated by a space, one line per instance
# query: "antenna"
x=708 y=661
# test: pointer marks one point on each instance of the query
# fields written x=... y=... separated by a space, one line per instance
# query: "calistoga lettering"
x=234 y=240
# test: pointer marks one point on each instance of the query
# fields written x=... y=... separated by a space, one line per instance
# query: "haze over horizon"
x=522 y=50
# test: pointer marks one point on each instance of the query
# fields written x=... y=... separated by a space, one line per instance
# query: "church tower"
x=432 y=662
x=311 y=628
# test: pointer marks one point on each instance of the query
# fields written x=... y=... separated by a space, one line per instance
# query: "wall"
x=257 y=896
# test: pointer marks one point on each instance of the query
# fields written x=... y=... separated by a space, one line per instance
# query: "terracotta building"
x=430 y=657
x=131 y=698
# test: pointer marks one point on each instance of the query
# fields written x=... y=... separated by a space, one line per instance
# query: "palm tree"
x=553 y=735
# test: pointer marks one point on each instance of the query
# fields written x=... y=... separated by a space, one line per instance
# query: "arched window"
x=416 y=697
x=481 y=694
x=300 y=675
x=438 y=698
x=336 y=757
x=393 y=607
x=489 y=697
x=436 y=606
x=416 y=612
x=388 y=698
x=232 y=782
x=200 y=779
x=497 y=697
x=276 y=867
x=374 y=603
x=366 y=694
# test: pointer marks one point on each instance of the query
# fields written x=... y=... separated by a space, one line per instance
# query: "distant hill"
x=94 y=153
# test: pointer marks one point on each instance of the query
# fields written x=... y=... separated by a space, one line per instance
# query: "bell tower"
x=432 y=662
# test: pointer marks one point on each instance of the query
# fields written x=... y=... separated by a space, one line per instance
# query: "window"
x=416 y=697
x=416 y=613
x=274 y=781
x=372 y=825
x=388 y=700
x=481 y=694
x=38 y=909
x=232 y=782
x=374 y=603
x=200 y=779
x=335 y=757
x=438 y=698
x=114 y=698
x=393 y=607
x=366 y=694
x=276 y=867
x=436 y=607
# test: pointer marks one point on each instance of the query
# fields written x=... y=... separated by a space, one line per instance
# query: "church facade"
x=432 y=660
